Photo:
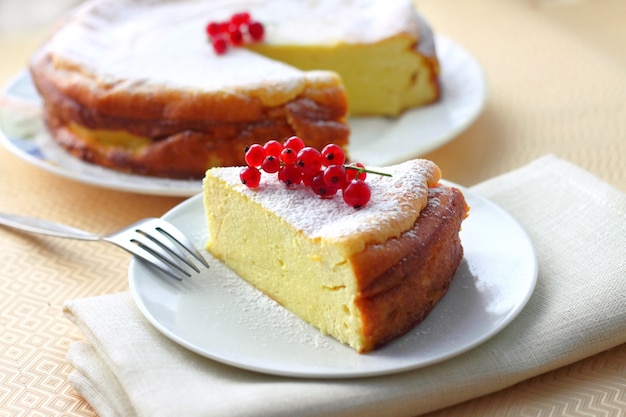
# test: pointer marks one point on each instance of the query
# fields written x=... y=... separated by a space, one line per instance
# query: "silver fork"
x=152 y=240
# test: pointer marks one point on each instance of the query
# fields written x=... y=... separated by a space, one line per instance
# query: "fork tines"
x=162 y=245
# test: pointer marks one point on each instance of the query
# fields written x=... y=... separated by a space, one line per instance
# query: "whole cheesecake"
x=364 y=276
x=136 y=86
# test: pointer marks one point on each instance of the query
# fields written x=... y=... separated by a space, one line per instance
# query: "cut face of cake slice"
x=364 y=276
x=384 y=51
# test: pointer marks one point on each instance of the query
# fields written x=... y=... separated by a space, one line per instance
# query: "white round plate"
x=220 y=316
x=375 y=141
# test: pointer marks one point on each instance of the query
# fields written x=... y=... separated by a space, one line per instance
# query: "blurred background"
x=525 y=47
x=25 y=23
x=24 y=15
x=23 y=26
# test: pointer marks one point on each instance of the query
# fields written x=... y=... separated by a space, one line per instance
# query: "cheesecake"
x=363 y=276
x=136 y=85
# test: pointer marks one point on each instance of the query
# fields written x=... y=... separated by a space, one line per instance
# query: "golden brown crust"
x=402 y=280
x=188 y=154
x=187 y=141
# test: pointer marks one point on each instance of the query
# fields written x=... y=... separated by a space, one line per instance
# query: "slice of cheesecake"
x=363 y=276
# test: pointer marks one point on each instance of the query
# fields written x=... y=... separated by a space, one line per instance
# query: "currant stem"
x=369 y=171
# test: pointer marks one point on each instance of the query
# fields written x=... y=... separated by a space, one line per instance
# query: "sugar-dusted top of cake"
x=395 y=204
x=328 y=22
x=126 y=40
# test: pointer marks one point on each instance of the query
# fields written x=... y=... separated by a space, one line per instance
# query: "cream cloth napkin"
x=578 y=226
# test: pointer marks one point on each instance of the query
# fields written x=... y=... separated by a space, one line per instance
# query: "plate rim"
x=171 y=215
x=187 y=188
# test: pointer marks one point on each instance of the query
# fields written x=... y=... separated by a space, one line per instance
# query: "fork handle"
x=34 y=225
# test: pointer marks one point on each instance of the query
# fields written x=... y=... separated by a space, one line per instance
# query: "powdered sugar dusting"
x=124 y=40
x=263 y=315
x=395 y=203
x=331 y=22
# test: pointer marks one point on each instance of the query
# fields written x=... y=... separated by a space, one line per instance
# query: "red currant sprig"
x=295 y=163
x=236 y=31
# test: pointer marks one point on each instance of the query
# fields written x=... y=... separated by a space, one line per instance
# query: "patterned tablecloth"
x=556 y=79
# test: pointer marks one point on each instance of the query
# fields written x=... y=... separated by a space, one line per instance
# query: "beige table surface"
x=556 y=71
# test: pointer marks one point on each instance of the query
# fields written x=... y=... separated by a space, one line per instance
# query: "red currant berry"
x=271 y=164
x=235 y=35
x=219 y=45
x=254 y=155
x=335 y=176
x=333 y=155
x=223 y=27
x=212 y=29
x=256 y=31
x=240 y=18
x=309 y=160
x=356 y=173
x=290 y=175
x=295 y=143
x=273 y=147
x=357 y=193
x=250 y=177
x=289 y=156
x=319 y=186
x=307 y=178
